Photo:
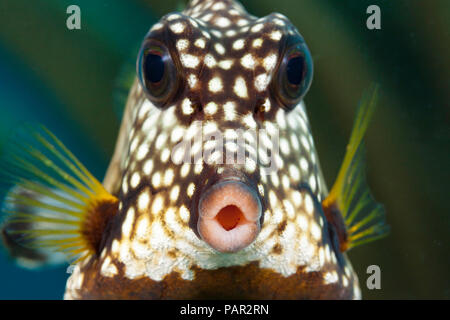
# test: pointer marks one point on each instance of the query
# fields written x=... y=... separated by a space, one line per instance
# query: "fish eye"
x=157 y=72
x=294 y=75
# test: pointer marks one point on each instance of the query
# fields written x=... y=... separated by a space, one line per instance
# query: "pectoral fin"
x=55 y=207
x=350 y=207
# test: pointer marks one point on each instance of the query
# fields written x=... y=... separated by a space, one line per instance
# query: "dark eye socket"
x=294 y=75
x=157 y=73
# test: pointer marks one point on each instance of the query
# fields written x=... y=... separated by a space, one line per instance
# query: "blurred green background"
x=66 y=80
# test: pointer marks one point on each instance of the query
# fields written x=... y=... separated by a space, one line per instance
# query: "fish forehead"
x=228 y=58
x=226 y=55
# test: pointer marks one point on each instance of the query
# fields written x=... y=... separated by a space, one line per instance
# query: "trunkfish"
x=214 y=189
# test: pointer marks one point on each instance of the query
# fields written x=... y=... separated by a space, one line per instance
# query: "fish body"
x=215 y=188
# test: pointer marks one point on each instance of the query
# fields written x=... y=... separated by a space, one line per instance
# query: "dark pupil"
x=154 y=68
x=294 y=70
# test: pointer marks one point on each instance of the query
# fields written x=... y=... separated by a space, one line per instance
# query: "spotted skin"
x=152 y=250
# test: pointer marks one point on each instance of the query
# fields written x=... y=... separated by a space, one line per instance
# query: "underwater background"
x=68 y=79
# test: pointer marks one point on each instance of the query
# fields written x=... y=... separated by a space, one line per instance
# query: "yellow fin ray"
x=51 y=165
x=28 y=217
x=96 y=185
x=29 y=185
x=53 y=199
x=363 y=217
x=84 y=176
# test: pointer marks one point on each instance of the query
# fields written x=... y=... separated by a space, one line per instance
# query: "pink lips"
x=229 y=216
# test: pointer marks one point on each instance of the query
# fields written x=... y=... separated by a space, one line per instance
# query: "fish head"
x=215 y=168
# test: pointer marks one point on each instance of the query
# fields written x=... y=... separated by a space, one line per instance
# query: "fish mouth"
x=229 y=215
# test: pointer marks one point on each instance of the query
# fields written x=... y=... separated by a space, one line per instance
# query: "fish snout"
x=229 y=215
